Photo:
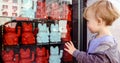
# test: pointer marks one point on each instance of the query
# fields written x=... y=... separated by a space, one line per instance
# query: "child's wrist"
x=74 y=52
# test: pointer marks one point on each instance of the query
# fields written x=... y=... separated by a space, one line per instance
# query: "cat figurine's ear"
x=39 y=25
x=30 y=24
x=37 y=49
x=11 y=52
x=24 y=24
x=51 y=27
x=21 y=50
x=43 y=48
x=56 y=48
x=52 y=48
x=28 y=50
x=56 y=27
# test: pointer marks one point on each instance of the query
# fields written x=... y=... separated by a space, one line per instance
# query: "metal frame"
x=79 y=25
x=82 y=27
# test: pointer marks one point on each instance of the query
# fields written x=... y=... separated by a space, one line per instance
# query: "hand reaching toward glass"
x=69 y=47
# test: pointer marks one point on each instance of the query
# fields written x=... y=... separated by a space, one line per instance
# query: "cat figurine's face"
x=25 y=53
x=54 y=50
x=40 y=51
x=27 y=27
x=9 y=29
x=7 y=56
x=42 y=27
x=54 y=27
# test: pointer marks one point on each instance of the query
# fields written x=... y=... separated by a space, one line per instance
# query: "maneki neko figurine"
x=9 y=57
x=66 y=12
x=11 y=36
x=41 y=9
x=42 y=55
x=27 y=34
x=63 y=28
x=28 y=9
x=26 y=56
x=67 y=35
x=55 y=11
x=55 y=35
x=43 y=33
x=55 y=55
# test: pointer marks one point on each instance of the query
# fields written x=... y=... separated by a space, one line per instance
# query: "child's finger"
x=66 y=45
x=66 y=49
x=71 y=43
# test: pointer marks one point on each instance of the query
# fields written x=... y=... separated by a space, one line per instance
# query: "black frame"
x=79 y=27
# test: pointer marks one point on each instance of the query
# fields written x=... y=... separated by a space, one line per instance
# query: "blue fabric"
x=97 y=41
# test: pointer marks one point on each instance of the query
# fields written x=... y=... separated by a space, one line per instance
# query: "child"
x=103 y=47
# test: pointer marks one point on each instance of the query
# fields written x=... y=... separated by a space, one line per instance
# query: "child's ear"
x=100 y=21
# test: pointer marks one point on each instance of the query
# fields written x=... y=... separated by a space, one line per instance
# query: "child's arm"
x=83 y=57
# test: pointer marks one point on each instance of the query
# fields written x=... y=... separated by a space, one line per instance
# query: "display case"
x=41 y=39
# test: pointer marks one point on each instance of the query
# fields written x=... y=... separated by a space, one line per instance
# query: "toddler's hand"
x=70 y=47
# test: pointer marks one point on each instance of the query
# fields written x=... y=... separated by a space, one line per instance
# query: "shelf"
x=10 y=46
x=59 y=43
x=50 y=43
x=42 y=43
x=36 y=20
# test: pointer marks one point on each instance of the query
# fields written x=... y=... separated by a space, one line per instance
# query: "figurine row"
x=35 y=9
x=41 y=55
x=44 y=34
x=54 y=10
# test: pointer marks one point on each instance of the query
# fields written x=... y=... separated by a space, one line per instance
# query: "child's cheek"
x=90 y=27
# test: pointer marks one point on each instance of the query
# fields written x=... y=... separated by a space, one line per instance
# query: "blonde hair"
x=103 y=9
